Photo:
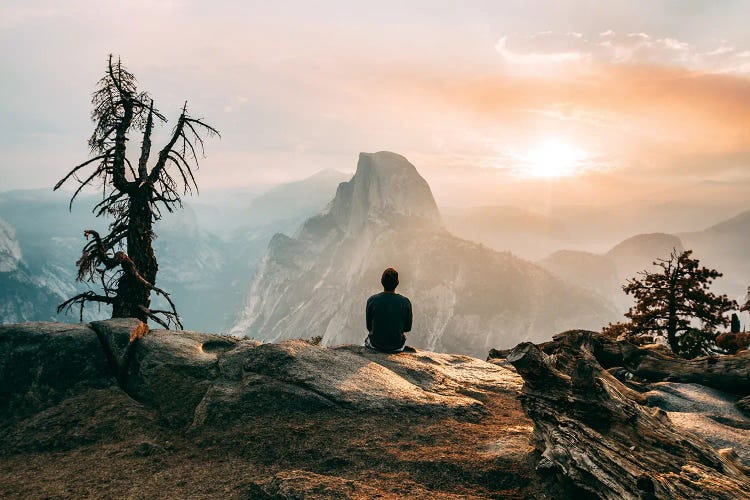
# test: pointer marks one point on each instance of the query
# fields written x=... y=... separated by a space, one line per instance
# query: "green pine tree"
x=670 y=300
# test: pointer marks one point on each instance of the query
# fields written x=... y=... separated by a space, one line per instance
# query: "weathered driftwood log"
x=733 y=341
x=744 y=404
x=654 y=363
x=597 y=438
x=728 y=373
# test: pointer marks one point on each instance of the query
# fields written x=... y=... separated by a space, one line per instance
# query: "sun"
x=552 y=159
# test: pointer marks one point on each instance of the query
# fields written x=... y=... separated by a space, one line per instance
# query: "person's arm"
x=368 y=315
x=408 y=316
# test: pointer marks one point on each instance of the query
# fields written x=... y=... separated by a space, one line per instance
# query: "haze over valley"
x=303 y=256
x=574 y=150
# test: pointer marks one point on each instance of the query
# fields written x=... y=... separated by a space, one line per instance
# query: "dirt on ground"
x=103 y=444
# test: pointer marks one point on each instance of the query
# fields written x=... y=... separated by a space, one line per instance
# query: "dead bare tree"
x=123 y=261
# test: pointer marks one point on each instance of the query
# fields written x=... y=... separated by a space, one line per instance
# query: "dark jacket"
x=388 y=316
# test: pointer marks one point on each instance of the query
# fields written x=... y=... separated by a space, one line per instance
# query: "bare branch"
x=132 y=195
x=78 y=167
x=146 y=146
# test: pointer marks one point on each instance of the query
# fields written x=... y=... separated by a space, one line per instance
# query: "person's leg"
x=373 y=348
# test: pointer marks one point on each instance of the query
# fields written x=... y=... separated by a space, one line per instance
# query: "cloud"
x=290 y=101
x=536 y=57
x=552 y=51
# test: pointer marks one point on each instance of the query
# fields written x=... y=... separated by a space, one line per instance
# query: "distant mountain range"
x=23 y=296
x=313 y=277
x=592 y=246
x=534 y=234
x=467 y=298
x=293 y=202
x=206 y=273
x=36 y=273
x=507 y=228
x=726 y=247
x=722 y=246
x=606 y=273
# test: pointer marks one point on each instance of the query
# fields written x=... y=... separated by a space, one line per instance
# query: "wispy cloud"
x=546 y=51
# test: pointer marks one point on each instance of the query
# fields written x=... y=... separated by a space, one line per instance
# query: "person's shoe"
x=409 y=348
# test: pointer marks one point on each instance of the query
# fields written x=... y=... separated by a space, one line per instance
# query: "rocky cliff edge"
x=112 y=409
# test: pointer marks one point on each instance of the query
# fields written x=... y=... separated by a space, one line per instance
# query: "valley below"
x=301 y=258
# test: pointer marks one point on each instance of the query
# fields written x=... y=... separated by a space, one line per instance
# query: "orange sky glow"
x=491 y=102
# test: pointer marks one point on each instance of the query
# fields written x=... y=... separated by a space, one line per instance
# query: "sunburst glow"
x=552 y=159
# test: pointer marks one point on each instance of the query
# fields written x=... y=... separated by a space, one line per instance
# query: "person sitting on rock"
x=388 y=316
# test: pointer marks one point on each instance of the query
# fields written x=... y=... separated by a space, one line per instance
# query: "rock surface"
x=191 y=414
x=41 y=364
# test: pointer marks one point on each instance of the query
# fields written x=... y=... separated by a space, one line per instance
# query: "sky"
x=495 y=102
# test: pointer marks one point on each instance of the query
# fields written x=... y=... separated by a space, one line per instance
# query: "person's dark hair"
x=389 y=279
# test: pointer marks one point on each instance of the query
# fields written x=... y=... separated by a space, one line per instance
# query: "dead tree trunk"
x=594 y=435
x=652 y=363
x=133 y=294
x=123 y=261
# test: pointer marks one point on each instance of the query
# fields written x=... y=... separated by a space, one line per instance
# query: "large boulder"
x=217 y=416
x=295 y=375
x=171 y=371
x=43 y=363
x=190 y=378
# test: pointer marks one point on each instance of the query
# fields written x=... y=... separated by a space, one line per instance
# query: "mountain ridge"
x=386 y=216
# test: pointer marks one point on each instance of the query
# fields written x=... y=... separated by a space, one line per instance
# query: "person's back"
x=388 y=316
